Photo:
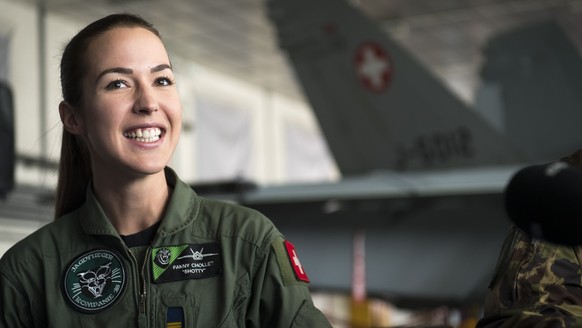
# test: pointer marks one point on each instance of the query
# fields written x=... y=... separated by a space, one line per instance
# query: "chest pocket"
x=203 y=304
x=236 y=314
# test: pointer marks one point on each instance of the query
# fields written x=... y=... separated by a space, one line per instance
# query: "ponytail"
x=74 y=175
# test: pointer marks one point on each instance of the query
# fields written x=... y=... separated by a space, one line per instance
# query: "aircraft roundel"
x=373 y=66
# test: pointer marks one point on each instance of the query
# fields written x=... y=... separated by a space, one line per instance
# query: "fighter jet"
x=422 y=173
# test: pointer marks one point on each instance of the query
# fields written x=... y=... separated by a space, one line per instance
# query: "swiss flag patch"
x=295 y=263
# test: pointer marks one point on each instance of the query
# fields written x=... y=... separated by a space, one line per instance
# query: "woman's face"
x=131 y=113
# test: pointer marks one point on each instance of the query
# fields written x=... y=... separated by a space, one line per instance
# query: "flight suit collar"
x=92 y=217
x=181 y=211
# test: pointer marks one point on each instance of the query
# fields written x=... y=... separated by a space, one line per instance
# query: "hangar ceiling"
x=236 y=37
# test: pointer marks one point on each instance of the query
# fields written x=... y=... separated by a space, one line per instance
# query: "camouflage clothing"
x=536 y=284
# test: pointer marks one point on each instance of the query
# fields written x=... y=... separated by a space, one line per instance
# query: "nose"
x=145 y=101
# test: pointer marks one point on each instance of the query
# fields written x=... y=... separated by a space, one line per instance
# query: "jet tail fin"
x=534 y=75
x=377 y=106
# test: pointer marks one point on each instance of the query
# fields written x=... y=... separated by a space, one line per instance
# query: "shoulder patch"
x=292 y=272
x=295 y=263
x=94 y=281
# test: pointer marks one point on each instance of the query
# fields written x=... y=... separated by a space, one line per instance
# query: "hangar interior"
x=246 y=118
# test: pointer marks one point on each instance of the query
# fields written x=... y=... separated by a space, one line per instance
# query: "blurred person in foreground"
x=537 y=283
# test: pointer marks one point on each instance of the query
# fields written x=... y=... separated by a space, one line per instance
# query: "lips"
x=144 y=135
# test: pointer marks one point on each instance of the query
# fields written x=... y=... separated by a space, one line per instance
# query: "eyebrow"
x=123 y=70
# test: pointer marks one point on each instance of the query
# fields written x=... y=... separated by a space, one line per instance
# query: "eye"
x=164 y=81
x=117 y=84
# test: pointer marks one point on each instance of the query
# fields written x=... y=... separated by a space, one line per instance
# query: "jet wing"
x=430 y=237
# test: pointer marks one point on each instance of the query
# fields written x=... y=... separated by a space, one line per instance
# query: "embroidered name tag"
x=190 y=261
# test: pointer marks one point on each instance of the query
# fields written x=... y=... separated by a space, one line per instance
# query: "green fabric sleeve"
x=15 y=306
x=278 y=301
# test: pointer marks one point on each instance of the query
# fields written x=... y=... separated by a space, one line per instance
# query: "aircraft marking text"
x=437 y=147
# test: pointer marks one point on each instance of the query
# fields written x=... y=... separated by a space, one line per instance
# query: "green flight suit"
x=537 y=284
x=210 y=264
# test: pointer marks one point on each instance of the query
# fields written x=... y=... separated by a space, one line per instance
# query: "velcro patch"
x=295 y=263
x=94 y=281
x=287 y=273
x=189 y=261
x=175 y=317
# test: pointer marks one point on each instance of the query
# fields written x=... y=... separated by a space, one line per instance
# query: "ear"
x=70 y=118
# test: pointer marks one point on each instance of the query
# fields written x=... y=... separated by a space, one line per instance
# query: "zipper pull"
x=142 y=303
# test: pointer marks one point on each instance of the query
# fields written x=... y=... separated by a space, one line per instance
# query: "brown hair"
x=75 y=165
x=574 y=159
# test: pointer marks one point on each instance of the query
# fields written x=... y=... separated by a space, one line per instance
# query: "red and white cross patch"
x=295 y=263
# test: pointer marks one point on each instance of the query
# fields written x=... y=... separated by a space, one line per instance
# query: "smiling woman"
x=132 y=244
x=128 y=88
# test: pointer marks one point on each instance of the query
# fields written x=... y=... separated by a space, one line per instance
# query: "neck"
x=132 y=204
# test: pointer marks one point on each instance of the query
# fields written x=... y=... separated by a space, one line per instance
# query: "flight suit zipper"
x=143 y=292
x=141 y=282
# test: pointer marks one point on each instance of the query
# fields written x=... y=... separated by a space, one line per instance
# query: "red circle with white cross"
x=373 y=66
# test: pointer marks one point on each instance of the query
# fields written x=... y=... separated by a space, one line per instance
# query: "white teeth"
x=146 y=135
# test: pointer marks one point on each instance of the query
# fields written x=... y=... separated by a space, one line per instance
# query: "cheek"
x=105 y=110
x=178 y=120
x=100 y=123
x=175 y=112
x=178 y=114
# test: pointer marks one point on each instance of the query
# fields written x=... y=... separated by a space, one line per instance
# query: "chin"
x=147 y=168
x=152 y=169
